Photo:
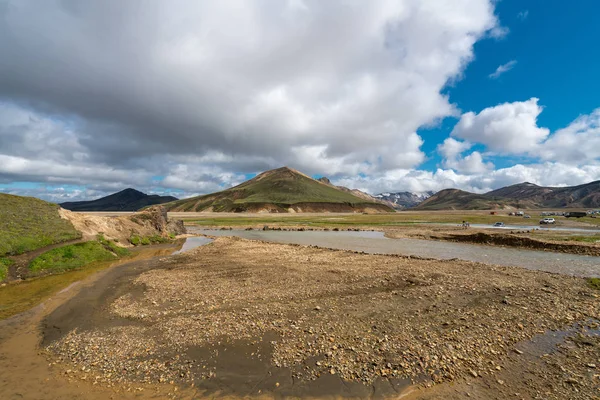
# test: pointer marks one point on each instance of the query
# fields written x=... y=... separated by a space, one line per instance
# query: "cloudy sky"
x=188 y=97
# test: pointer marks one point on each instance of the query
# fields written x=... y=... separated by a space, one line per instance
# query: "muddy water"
x=377 y=243
x=193 y=242
x=26 y=373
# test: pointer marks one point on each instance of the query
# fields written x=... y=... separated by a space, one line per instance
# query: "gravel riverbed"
x=246 y=318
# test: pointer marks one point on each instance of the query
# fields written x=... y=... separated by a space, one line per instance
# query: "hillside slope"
x=523 y=195
x=279 y=190
x=125 y=200
x=27 y=223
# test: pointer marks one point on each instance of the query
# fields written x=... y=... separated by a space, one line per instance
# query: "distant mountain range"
x=523 y=195
x=403 y=200
x=125 y=200
x=287 y=190
x=282 y=190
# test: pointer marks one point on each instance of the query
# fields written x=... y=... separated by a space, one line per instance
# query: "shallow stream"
x=377 y=243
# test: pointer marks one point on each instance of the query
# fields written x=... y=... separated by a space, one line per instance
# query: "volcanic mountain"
x=404 y=200
x=523 y=195
x=125 y=200
x=279 y=190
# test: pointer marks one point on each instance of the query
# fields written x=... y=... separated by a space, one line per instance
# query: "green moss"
x=594 y=283
x=27 y=224
x=4 y=264
x=112 y=246
x=71 y=257
x=137 y=240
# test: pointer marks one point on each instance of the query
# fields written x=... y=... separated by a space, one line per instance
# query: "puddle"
x=547 y=342
x=193 y=242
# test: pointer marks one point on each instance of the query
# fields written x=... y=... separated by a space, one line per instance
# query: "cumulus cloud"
x=578 y=143
x=543 y=174
x=451 y=151
x=325 y=87
x=502 y=69
x=506 y=128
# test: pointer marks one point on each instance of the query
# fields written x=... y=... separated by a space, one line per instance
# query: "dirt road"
x=245 y=318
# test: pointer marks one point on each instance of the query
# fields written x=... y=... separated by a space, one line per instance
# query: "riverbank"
x=21 y=295
x=248 y=318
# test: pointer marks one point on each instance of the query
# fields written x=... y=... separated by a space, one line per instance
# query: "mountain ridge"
x=523 y=195
x=126 y=200
x=279 y=190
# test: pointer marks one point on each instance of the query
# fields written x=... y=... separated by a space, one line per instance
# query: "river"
x=377 y=243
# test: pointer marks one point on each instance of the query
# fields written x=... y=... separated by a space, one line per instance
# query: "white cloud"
x=509 y=128
x=578 y=143
x=321 y=86
x=502 y=69
x=451 y=148
x=543 y=174
x=522 y=15
x=451 y=151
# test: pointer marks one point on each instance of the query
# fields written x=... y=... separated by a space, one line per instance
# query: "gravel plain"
x=247 y=318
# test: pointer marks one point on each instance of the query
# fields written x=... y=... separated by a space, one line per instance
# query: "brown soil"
x=246 y=318
x=149 y=222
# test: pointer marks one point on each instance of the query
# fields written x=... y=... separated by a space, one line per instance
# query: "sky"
x=189 y=97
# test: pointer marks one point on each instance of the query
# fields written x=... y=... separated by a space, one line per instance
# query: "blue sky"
x=192 y=97
x=553 y=44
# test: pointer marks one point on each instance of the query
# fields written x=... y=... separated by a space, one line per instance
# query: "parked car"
x=526 y=216
x=546 y=221
x=499 y=224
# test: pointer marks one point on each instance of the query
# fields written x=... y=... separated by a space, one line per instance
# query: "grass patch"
x=137 y=240
x=112 y=246
x=4 y=264
x=71 y=257
x=366 y=220
x=27 y=224
x=594 y=283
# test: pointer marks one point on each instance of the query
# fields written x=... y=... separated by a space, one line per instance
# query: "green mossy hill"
x=276 y=190
x=27 y=224
x=75 y=256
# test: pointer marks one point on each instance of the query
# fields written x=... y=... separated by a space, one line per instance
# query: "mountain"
x=402 y=200
x=357 y=193
x=523 y=195
x=279 y=190
x=455 y=199
x=27 y=223
x=125 y=200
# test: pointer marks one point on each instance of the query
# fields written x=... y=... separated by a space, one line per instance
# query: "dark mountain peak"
x=325 y=180
x=126 y=200
x=131 y=191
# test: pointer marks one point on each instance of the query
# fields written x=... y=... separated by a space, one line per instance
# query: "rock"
x=317 y=308
x=474 y=373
